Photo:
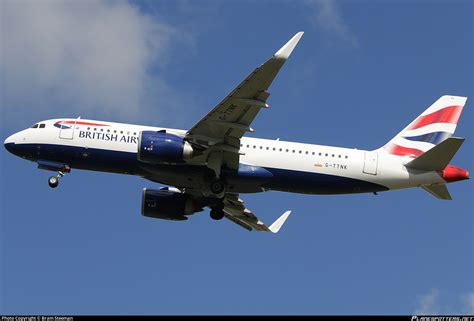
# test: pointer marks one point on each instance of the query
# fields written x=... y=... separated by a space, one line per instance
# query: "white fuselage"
x=283 y=158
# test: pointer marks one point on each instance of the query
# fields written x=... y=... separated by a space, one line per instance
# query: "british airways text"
x=108 y=137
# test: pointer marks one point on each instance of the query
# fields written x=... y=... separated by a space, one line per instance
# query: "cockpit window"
x=34 y=126
x=41 y=125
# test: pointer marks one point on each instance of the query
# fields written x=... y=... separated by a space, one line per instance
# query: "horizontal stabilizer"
x=438 y=191
x=438 y=157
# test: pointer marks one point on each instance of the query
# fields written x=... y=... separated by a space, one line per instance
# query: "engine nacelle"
x=162 y=147
x=168 y=205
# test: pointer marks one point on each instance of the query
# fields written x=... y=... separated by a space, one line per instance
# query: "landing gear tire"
x=53 y=181
x=217 y=186
x=217 y=214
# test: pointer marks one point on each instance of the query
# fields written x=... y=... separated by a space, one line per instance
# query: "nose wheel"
x=53 y=181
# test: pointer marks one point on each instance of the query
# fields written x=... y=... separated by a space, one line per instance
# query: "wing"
x=235 y=210
x=219 y=132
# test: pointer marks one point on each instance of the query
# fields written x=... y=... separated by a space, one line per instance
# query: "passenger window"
x=332 y=155
x=320 y=154
x=274 y=148
x=248 y=146
x=293 y=150
x=268 y=148
x=326 y=154
x=339 y=156
x=347 y=157
x=313 y=153
x=41 y=125
x=261 y=147
x=254 y=146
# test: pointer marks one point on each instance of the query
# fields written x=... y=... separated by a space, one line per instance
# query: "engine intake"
x=162 y=147
x=168 y=205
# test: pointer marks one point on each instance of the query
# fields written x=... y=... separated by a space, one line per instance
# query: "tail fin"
x=432 y=127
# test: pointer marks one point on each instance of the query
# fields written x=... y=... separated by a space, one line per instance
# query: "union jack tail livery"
x=432 y=127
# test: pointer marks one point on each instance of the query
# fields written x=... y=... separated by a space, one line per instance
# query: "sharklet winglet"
x=287 y=49
x=276 y=226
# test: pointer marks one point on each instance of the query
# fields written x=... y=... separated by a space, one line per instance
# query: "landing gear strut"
x=53 y=181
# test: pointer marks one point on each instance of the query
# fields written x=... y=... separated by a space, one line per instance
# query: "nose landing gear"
x=53 y=181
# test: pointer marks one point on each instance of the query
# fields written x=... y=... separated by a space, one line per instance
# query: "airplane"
x=213 y=163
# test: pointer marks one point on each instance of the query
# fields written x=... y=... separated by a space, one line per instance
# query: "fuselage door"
x=66 y=129
x=370 y=163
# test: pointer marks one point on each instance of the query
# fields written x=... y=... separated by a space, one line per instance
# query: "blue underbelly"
x=259 y=177
x=316 y=183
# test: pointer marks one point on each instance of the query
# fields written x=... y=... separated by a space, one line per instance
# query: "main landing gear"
x=53 y=181
x=217 y=213
x=215 y=189
x=217 y=186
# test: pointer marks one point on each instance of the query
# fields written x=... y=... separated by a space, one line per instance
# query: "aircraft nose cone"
x=9 y=144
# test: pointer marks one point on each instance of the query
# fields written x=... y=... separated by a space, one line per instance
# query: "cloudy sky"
x=362 y=71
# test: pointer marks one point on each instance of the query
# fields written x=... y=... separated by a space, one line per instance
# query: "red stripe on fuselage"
x=403 y=151
x=448 y=115
x=73 y=122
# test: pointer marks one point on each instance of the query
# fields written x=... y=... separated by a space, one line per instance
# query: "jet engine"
x=161 y=147
x=168 y=204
